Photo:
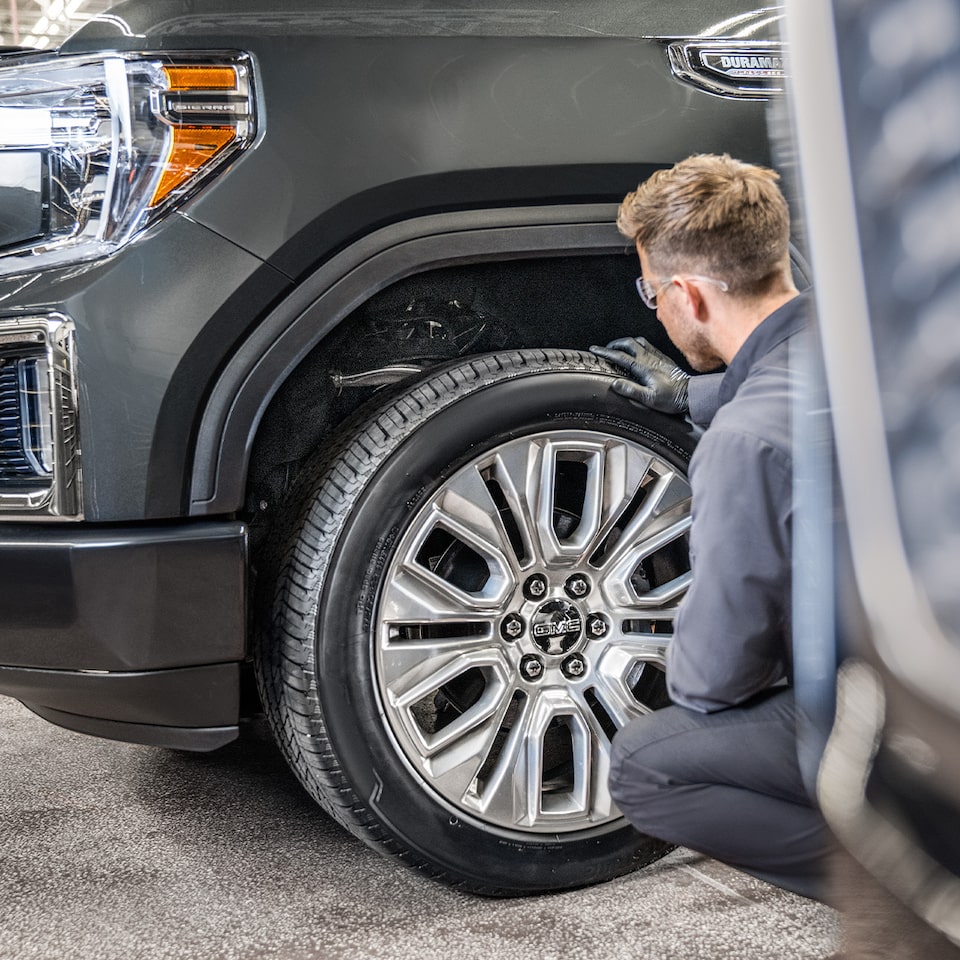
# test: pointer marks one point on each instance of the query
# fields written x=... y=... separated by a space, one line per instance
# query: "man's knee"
x=651 y=741
x=639 y=774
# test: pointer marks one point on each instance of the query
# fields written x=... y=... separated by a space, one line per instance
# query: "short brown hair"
x=713 y=215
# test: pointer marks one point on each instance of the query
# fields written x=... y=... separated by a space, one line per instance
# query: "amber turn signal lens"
x=201 y=78
x=190 y=149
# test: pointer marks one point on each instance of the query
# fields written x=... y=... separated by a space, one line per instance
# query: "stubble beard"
x=700 y=353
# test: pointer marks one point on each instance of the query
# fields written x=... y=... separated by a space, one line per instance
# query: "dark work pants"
x=726 y=784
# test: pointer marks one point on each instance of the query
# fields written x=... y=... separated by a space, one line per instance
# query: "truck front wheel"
x=476 y=593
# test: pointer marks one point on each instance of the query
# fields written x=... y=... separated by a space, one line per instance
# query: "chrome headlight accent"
x=93 y=150
x=39 y=440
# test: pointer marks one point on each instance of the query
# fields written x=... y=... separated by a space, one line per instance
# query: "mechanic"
x=717 y=771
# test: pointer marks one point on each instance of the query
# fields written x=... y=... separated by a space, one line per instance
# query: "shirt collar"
x=784 y=322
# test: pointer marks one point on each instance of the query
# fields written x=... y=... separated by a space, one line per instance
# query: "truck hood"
x=154 y=24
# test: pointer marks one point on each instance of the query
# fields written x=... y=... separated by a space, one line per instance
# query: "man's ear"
x=696 y=303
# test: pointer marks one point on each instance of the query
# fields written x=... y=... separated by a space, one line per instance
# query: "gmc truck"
x=296 y=413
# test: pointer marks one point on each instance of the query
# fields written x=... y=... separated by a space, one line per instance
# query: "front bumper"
x=131 y=633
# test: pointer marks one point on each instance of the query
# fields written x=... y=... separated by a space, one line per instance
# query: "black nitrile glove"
x=660 y=383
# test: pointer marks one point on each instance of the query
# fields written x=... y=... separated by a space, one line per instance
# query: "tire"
x=476 y=591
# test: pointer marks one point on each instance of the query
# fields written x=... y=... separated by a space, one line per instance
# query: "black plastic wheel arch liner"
x=258 y=368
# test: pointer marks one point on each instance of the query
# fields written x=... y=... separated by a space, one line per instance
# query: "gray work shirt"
x=732 y=633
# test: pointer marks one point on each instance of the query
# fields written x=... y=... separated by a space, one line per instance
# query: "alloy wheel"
x=524 y=618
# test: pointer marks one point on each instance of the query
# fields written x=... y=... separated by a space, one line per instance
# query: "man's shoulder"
x=761 y=408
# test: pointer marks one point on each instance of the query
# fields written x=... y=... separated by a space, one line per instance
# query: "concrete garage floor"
x=115 y=851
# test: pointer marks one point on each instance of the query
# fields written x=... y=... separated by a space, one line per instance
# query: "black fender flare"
x=256 y=370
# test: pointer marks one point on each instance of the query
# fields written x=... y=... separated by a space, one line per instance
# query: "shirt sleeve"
x=731 y=635
x=703 y=397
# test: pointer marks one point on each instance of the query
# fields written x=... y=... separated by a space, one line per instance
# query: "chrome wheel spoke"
x=567 y=523
x=510 y=474
x=619 y=671
x=619 y=582
x=665 y=496
x=459 y=758
x=417 y=595
x=408 y=663
x=467 y=504
x=444 y=697
x=546 y=774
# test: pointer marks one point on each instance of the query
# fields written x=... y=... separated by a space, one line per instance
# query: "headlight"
x=93 y=150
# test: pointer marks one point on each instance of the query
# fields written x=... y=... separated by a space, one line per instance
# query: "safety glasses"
x=649 y=293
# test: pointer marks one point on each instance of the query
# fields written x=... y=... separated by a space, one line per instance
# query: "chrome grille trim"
x=40 y=474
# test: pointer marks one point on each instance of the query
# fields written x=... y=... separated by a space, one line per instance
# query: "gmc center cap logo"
x=556 y=627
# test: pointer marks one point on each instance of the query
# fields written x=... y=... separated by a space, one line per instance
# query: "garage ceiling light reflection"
x=44 y=23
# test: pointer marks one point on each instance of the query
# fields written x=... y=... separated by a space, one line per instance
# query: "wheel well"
x=430 y=318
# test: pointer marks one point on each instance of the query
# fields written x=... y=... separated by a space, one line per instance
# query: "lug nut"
x=511 y=626
x=574 y=666
x=597 y=625
x=535 y=587
x=577 y=586
x=531 y=667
